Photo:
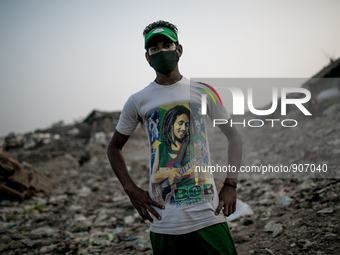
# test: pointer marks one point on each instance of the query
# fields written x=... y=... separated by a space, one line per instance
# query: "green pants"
x=211 y=240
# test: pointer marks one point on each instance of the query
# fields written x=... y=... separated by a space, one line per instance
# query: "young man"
x=182 y=203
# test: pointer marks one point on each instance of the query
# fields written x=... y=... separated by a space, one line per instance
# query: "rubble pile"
x=44 y=149
x=293 y=213
x=27 y=141
x=21 y=180
x=87 y=211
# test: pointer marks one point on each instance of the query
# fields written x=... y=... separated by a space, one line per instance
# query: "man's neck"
x=168 y=79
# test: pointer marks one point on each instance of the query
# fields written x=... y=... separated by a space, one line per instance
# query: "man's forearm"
x=234 y=158
x=139 y=198
x=227 y=195
x=118 y=165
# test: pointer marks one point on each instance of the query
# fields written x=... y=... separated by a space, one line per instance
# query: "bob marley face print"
x=180 y=128
x=176 y=126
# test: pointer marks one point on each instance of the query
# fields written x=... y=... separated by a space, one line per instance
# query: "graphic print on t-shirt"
x=178 y=148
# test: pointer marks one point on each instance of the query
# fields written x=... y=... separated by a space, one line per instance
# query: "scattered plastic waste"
x=131 y=238
x=286 y=201
x=11 y=226
x=108 y=237
x=118 y=230
x=37 y=207
x=241 y=209
x=325 y=211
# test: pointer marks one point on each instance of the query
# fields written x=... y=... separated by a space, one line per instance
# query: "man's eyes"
x=166 y=46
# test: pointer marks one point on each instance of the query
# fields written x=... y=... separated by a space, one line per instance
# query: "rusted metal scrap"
x=21 y=180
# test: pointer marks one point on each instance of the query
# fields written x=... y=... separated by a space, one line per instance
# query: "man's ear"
x=179 y=50
x=147 y=57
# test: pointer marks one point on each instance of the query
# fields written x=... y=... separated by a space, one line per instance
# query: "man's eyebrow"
x=152 y=45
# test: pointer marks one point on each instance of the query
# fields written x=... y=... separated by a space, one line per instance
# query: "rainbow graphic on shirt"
x=209 y=93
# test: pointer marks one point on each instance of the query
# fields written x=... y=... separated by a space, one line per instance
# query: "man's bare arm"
x=139 y=198
x=227 y=195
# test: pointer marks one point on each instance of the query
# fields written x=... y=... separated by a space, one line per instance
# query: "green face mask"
x=164 y=62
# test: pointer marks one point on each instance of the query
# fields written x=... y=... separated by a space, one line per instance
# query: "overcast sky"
x=59 y=60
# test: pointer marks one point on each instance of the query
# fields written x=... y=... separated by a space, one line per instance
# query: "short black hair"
x=159 y=23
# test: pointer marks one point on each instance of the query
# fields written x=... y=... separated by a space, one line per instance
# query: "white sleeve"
x=128 y=119
x=216 y=111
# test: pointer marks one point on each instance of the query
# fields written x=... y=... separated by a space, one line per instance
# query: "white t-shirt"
x=179 y=152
